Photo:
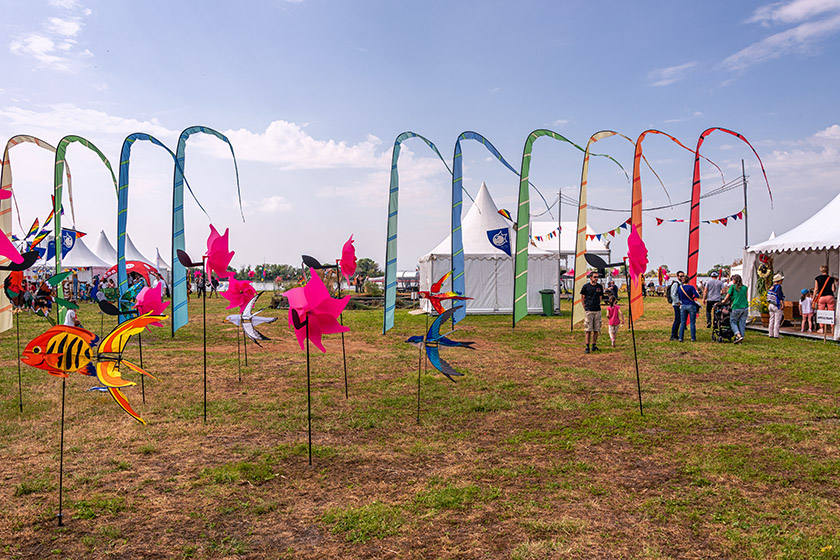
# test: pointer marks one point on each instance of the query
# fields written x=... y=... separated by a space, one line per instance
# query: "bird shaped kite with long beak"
x=249 y=319
x=435 y=296
x=315 y=307
x=434 y=340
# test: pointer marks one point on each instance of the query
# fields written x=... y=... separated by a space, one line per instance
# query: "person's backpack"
x=668 y=293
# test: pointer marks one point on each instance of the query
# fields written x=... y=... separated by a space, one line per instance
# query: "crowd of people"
x=715 y=294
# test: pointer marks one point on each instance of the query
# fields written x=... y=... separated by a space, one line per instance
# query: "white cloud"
x=65 y=117
x=815 y=20
x=288 y=145
x=830 y=133
x=793 y=12
x=268 y=205
x=55 y=46
x=560 y=122
x=65 y=27
x=670 y=75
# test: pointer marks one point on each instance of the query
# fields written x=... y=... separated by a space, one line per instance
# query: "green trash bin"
x=547 y=302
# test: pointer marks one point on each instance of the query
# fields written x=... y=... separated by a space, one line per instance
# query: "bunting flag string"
x=611 y=233
x=550 y=235
x=724 y=221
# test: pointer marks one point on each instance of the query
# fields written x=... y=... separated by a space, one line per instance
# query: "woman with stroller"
x=737 y=294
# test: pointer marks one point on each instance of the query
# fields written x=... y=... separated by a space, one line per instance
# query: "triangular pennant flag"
x=723 y=221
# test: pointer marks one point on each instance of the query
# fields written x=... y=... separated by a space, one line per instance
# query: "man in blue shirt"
x=688 y=308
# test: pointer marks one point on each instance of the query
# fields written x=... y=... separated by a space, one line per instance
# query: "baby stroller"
x=721 y=329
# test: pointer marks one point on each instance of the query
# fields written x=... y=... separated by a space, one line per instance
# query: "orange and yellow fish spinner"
x=63 y=349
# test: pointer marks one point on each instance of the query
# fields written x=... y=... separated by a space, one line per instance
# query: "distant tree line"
x=288 y=273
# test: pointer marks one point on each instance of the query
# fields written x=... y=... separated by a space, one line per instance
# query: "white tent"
x=488 y=269
x=104 y=250
x=82 y=258
x=132 y=254
x=800 y=252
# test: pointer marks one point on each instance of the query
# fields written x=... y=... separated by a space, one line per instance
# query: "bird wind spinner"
x=431 y=343
x=249 y=319
x=435 y=296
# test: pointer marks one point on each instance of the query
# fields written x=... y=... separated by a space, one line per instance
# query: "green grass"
x=363 y=523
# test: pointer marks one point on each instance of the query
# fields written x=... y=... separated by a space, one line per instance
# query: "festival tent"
x=489 y=269
x=164 y=269
x=104 y=250
x=82 y=258
x=132 y=254
x=799 y=253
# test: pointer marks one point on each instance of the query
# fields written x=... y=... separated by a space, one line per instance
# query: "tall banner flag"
x=58 y=188
x=180 y=312
x=6 y=216
x=694 y=217
x=391 y=235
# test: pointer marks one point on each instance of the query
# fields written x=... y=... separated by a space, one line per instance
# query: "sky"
x=312 y=94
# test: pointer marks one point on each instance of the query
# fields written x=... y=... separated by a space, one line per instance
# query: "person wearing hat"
x=712 y=292
x=776 y=303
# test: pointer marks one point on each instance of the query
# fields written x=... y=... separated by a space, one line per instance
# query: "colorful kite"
x=694 y=221
x=180 y=311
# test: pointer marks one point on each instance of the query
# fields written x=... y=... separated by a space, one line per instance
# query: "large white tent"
x=800 y=252
x=104 y=250
x=489 y=270
x=133 y=254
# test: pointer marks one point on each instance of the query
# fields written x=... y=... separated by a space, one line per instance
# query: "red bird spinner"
x=435 y=296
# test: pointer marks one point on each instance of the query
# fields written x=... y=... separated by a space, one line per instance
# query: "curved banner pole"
x=391 y=242
x=6 y=214
x=523 y=217
x=60 y=152
x=180 y=311
x=694 y=218
x=122 y=207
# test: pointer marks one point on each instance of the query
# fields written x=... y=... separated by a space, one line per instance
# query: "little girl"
x=614 y=318
x=807 y=310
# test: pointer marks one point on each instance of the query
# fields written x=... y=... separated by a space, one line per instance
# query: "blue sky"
x=312 y=94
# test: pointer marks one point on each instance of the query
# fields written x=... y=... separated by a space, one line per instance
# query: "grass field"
x=539 y=451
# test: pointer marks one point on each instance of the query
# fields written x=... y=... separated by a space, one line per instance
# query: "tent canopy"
x=488 y=269
x=800 y=252
x=82 y=257
x=104 y=250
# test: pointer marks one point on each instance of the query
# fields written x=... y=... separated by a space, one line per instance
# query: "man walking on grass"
x=592 y=294
x=712 y=293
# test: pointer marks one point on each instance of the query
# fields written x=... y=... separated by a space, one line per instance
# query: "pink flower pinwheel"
x=348 y=259
x=150 y=300
x=314 y=304
x=637 y=255
x=251 y=274
x=239 y=293
x=218 y=256
x=8 y=250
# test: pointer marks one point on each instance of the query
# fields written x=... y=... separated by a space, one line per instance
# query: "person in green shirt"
x=737 y=294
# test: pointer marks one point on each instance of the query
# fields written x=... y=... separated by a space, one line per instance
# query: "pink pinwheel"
x=150 y=300
x=314 y=305
x=348 y=259
x=239 y=293
x=251 y=274
x=637 y=255
x=8 y=250
x=218 y=257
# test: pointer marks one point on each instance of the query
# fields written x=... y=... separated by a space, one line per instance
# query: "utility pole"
x=746 y=214
x=559 y=246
